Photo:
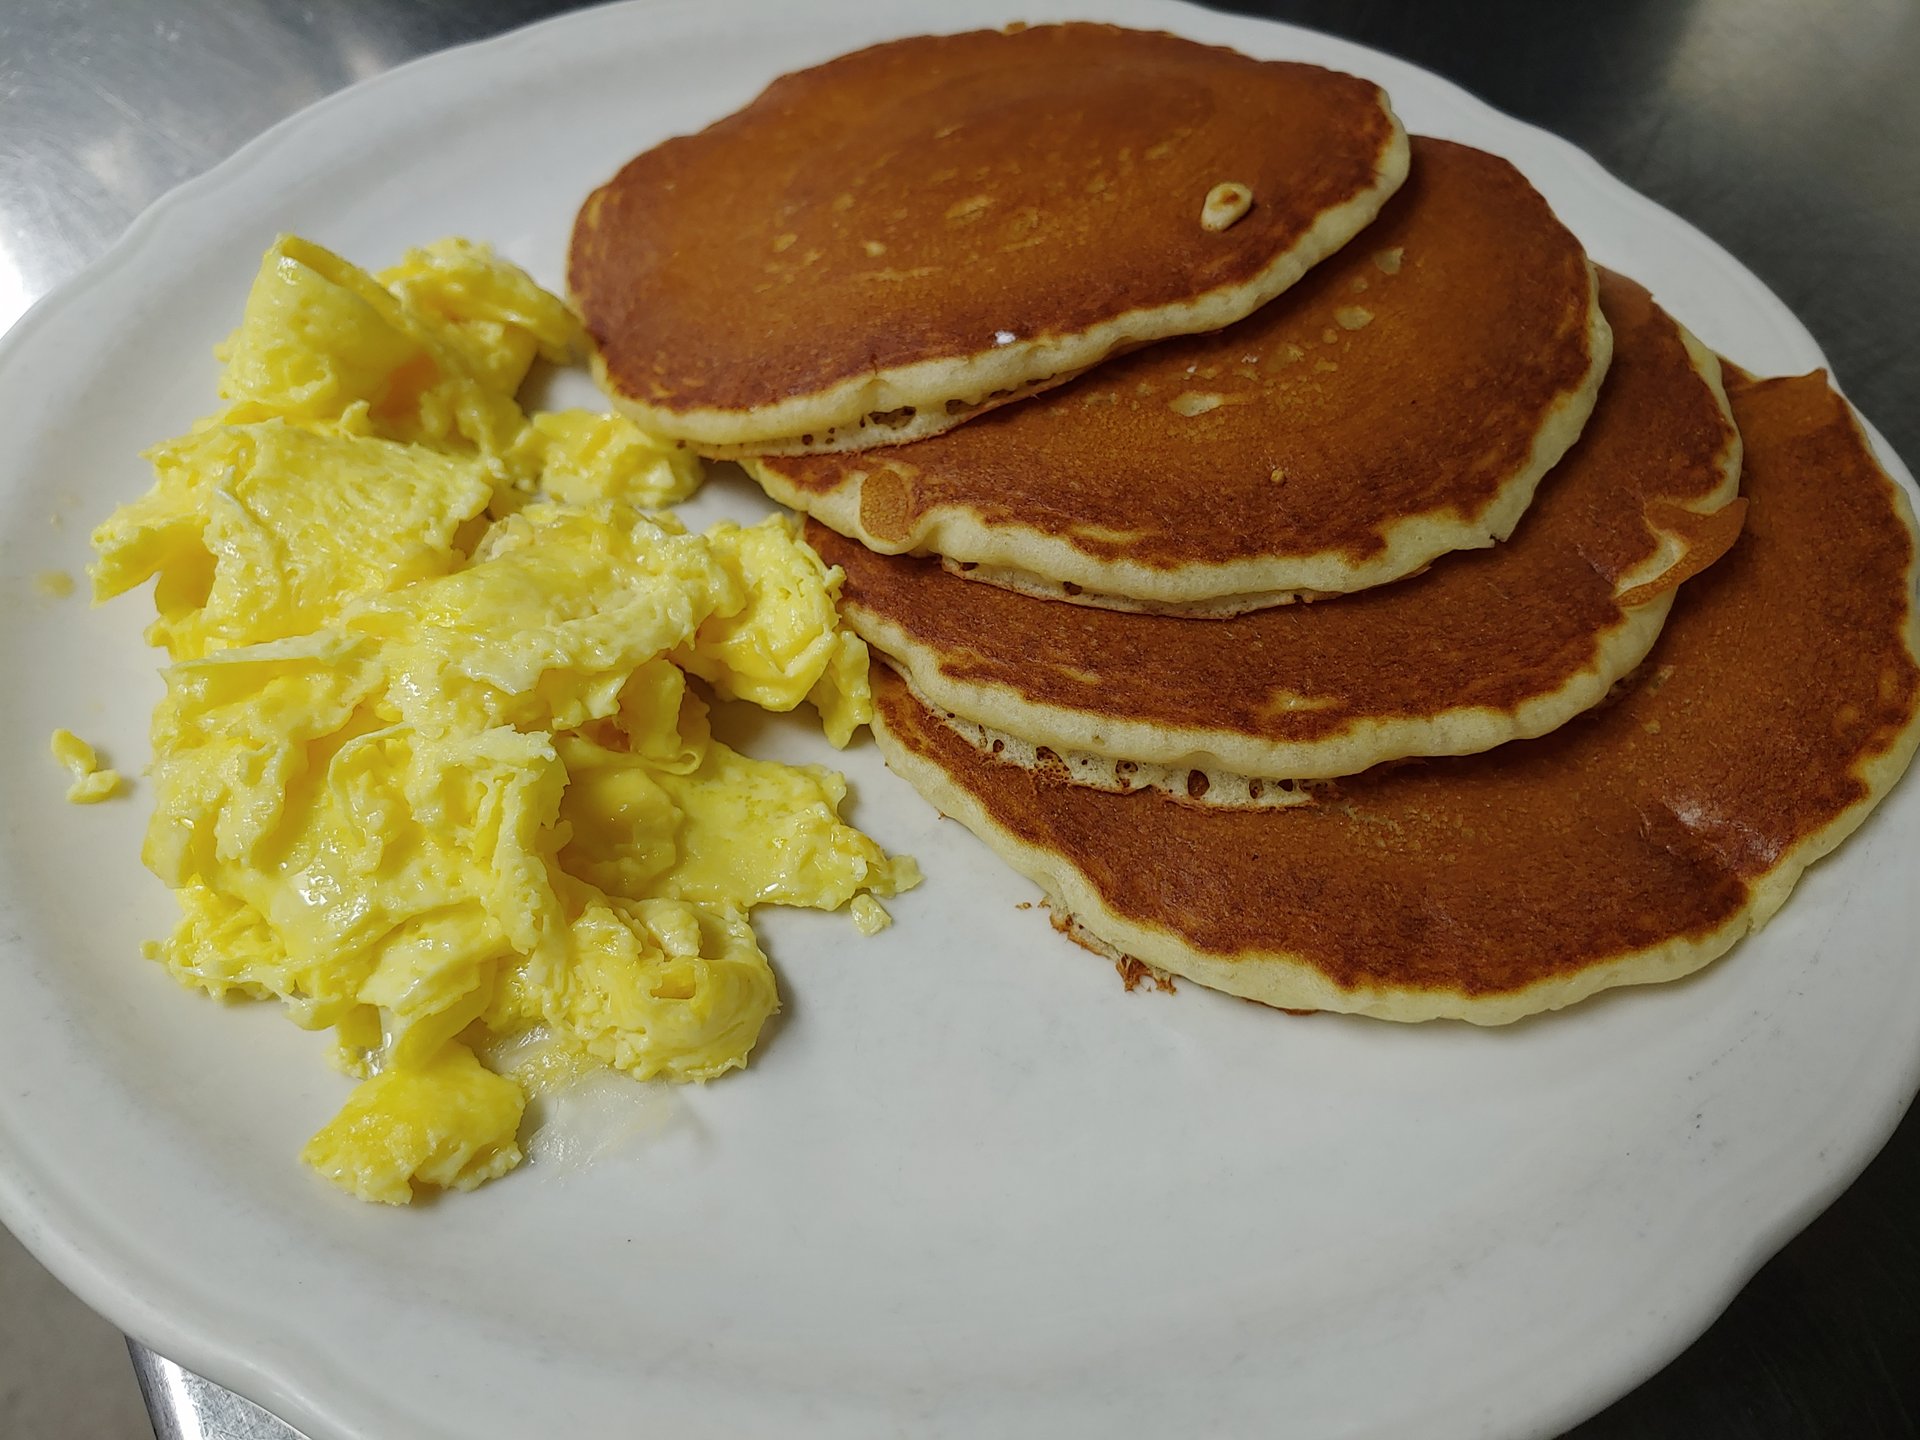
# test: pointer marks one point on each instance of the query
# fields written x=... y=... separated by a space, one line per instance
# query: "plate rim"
x=81 y=1251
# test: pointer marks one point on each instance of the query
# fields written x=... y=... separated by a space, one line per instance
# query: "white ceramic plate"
x=969 y=1187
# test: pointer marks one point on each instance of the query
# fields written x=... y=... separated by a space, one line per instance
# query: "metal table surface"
x=1783 y=128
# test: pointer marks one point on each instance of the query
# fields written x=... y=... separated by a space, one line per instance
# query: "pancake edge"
x=1218 y=607
x=1288 y=981
x=1035 y=563
x=921 y=425
x=1228 y=760
x=1216 y=789
x=973 y=381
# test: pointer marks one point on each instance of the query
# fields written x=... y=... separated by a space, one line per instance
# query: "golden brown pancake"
x=1400 y=402
x=1632 y=845
x=878 y=247
x=1485 y=647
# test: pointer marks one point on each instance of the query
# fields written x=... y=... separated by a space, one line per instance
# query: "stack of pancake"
x=1286 y=547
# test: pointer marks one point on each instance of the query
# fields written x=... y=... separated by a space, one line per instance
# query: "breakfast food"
x=1400 y=402
x=927 y=228
x=434 y=767
x=1482 y=648
x=429 y=769
x=1632 y=845
x=92 y=782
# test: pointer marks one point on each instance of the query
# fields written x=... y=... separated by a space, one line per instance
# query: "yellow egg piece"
x=784 y=645
x=488 y=310
x=545 y=627
x=263 y=531
x=870 y=917
x=317 y=337
x=91 y=784
x=658 y=988
x=583 y=457
x=450 y=1123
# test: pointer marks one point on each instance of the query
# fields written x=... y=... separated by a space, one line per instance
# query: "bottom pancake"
x=1631 y=846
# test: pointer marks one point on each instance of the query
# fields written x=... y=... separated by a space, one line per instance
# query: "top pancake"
x=1632 y=845
x=1401 y=401
x=879 y=246
x=1482 y=648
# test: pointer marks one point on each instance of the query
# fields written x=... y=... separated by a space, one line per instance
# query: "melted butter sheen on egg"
x=428 y=770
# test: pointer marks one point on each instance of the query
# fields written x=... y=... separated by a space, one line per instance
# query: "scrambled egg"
x=429 y=771
x=91 y=783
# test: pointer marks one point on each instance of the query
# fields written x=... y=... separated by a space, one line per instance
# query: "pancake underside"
x=913 y=401
x=899 y=426
x=1218 y=607
x=1221 y=789
x=1041 y=563
x=1291 y=982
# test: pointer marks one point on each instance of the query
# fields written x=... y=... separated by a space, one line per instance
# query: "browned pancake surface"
x=916 y=200
x=1784 y=676
x=1407 y=374
x=1486 y=628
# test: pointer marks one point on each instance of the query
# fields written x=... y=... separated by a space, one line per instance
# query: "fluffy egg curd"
x=429 y=770
x=92 y=783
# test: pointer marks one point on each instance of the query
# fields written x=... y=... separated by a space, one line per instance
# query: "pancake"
x=880 y=246
x=1631 y=846
x=1485 y=647
x=1401 y=402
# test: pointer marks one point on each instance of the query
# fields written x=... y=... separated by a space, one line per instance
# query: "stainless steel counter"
x=185 y=1407
x=1784 y=129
